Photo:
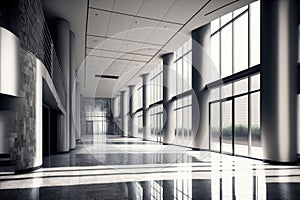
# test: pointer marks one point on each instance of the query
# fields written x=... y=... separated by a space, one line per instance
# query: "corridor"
x=112 y=167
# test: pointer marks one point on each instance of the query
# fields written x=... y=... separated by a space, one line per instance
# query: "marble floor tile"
x=112 y=167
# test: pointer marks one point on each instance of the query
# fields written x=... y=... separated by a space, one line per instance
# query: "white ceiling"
x=127 y=37
x=76 y=16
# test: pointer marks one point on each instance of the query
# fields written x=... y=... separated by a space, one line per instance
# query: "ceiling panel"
x=118 y=24
x=183 y=10
x=129 y=46
x=110 y=54
x=103 y=53
x=98 y=22
x=127 y=6
x=125 y=56
x=146 y=49
x=163 y=33
x=141 y=29
x=134 y=65
x=103 y=4
x=155 y=9
x=93 y=42
x=142 y=58
x=96 y=62
x=113 y=71
x=112 y=44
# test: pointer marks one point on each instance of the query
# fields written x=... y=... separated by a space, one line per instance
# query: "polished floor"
x=111 y=167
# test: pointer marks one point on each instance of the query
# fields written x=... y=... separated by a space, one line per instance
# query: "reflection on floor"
x=128 y=168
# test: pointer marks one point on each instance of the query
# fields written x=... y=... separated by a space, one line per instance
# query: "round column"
x=200 y=76
x=123 y=113
x=146 y=113
x=62 y=47
x=132 y=118
x=72 y=92
x=168 y=105
x=278 y=79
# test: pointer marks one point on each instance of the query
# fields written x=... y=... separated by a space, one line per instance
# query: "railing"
x=48 y=50
x=58 y=79
x=53 y=66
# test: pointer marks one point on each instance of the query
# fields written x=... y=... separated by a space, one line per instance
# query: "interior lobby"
x=149 y=99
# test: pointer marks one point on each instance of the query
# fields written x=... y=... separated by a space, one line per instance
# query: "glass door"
x=215 y=128
x=221 y=135
x=226 y=127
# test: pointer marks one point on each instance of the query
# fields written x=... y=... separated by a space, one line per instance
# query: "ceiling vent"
x=106 y=76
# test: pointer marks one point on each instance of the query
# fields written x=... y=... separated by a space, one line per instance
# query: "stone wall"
x=29 y=27
x=23 y=146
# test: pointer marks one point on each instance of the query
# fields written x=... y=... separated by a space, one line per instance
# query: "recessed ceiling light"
x=136 y=22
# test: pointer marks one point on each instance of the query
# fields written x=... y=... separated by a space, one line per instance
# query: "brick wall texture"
x=30 y=28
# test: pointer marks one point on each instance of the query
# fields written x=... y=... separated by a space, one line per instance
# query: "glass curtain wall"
x=97 y=113
x=156 y=95
x=116 y=116
x=139 y=106
x=235 y=47
x=183 y=84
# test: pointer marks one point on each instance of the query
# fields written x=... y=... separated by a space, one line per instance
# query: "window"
x=235 y=40
x=234 y=107
x=183 y=68
x=156 y=82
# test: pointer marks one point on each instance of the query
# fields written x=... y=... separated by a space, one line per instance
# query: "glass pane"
x=241 y=86
x=179 y=126
x=215 y=127
x=256 y=149
x=215 y=94
x=185 y=48
x=255 y=82
x=179 y=77
x=255 y=33
x=239 y=11
x=226 y=18
x=179 y=52
x=241 y=126
x=215 y=56
x=227 y=126
x=226 y=51
x=185 y=75
x=215 y=25
x=185 y=117
x=241 y=43
x=226 y=90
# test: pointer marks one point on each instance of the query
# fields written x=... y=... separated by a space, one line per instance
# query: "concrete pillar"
x=200 y=76
x=168 y=105
x=72 y=92
x=78 y=111
x=146 y=113
x=62 y=47
x=278 y=79
x=61 y=136
x=123 y=113
x=132 y=119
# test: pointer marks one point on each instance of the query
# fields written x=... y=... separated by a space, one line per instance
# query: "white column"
x=62 y=47
x=168 y=105
x=200 y=97
x=72 y=92
x=279 y=79
x=146 y=113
